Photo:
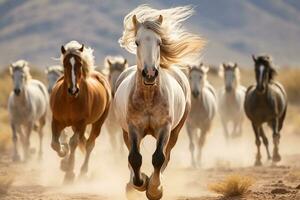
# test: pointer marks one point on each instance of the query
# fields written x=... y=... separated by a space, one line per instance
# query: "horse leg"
x=258 y=142
x=137 y=179
x=224 y=124
x=265 y=141
x=61 y=149
x=16 y=156
x=154 y=189
x=191 y=133
x=28 y=130
x=201 y=144
x=41 y=134
x=276 y=138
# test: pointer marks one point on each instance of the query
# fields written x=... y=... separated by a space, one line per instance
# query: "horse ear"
x=205 y=69
x=63 y=50
x=46 y=70
x=109 y=62
x=135 y=22
x=160 y=19
x=254 y=58
x=235 y=65
x=125 y=62
x=11 y=69
x=221 y=70
x=82 y=47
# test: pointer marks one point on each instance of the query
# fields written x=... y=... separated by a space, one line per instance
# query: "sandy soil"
x=108 y=172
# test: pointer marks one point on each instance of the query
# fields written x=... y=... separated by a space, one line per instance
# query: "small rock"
x=280 y=181
x=280 y=191
x=298 y=187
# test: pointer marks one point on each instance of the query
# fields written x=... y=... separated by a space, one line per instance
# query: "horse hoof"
x=276 y=158
x=155 y=195
x=258 y=163
x=131 y=193
x=64 y=164
x=144 y=185
x=69 y=178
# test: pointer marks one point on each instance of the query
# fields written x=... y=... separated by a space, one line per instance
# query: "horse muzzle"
x=228 y=89
x=17 y=91
x=149 y=75
x=195 y=93
x=73 y=92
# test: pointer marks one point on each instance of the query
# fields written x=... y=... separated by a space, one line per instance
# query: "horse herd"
x=165 y=89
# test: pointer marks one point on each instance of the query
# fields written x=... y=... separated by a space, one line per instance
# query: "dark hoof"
x=64 y=164
x=16 y=158
x=69 y=178
x=276 y=158
x=258 y=163
x=144 y=185
x=157 y=195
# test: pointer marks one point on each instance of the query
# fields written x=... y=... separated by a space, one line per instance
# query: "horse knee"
x=135 y=159
x=257 y=142
x=158 y=159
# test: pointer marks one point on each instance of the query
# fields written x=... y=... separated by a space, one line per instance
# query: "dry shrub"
x=5 y=182
x=233 y=185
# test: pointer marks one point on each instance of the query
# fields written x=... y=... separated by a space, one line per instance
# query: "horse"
x=153 y=97
x=231 y=99
x=80 y=97
x=27 y=108
x=53 y=73
x=113 y=67
x=266 y=102
x=204 y=108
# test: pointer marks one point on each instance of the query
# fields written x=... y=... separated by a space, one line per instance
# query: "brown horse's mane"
x=267 y=60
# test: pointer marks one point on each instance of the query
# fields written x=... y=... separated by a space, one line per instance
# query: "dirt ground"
x=108 y=172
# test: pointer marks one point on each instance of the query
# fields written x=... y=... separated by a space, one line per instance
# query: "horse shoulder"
x=103 y=81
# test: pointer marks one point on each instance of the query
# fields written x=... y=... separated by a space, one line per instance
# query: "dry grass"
x=5 y=182
x=290 y=78
x=233 y=185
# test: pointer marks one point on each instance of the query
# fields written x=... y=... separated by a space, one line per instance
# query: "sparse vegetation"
x=233 y=185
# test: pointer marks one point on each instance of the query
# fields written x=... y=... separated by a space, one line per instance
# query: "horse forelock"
x=266 y=61
x=21 y=65
x=86 y=56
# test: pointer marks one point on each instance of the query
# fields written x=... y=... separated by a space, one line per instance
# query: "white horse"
x=113 y=67
x=153 y=97
x=231 y=99
x=53 y=73
x=204 y=108
x=27 y=106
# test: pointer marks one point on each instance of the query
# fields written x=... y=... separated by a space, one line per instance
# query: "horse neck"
x=143 y=91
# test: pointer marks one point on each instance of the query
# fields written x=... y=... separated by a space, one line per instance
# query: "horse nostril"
x=69 y=90
x=144 y=74
x=195 y=93
x=17 y=91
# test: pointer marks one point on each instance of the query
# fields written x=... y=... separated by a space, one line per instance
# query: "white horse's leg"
x=191 y=133
x=16 y=156
x=137 y=179
x=201 y=142
x=41 y=134
x=154 y=189
x=28 y=130
x=224 y=123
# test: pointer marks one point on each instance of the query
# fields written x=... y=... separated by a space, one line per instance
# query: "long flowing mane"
x=21 y=65
x=86 y=56
x=56 y=69
x=178 y=45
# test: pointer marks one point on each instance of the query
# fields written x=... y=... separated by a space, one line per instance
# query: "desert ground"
x=108 y=173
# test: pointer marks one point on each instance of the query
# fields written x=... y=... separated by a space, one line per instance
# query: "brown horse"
x=80 y=97
x=266 y=102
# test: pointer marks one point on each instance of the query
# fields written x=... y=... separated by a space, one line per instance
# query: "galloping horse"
x=53 y=73
x=204 y=108
x=153 y=97
x=266 y=102
x=231 y=99
x=27 y=106
x=113 y=67
x=80 y=97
